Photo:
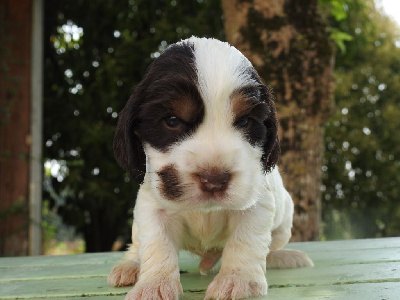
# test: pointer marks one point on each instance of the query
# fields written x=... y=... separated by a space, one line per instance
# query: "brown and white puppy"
x=200 y=133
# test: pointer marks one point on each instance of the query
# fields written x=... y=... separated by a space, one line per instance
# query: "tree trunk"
x=15 y=94
x=287 y=42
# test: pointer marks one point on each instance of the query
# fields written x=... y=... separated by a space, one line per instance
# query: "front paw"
x=167 y=288
x=124 y=274
x=234 y=286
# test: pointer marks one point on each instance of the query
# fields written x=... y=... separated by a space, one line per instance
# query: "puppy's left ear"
x=271 y=148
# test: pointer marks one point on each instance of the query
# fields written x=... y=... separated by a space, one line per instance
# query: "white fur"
x=253 y=216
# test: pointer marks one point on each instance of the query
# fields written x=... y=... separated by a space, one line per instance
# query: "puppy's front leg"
x=159 y=269
x=243 y=264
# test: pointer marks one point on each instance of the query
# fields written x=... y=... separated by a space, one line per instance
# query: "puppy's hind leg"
x=126 y=272
x=279 y=258
x=288 y=259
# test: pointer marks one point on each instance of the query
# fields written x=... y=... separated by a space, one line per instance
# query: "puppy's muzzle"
x=213 y=181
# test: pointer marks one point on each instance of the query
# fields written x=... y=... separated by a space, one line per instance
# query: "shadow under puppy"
x=200 y=133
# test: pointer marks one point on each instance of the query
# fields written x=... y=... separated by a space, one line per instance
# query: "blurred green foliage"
x=362 y=161
x=336 y=11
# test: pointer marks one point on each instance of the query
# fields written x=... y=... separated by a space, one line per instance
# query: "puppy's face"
x=201 y=126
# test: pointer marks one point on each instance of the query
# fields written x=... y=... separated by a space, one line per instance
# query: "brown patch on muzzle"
x=170 y=183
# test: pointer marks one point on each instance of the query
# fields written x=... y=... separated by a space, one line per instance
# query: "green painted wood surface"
x=354 y=269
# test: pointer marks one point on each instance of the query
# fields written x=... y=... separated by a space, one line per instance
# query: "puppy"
x=200 y=133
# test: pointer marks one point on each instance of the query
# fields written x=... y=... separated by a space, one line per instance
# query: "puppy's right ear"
x=127 y=146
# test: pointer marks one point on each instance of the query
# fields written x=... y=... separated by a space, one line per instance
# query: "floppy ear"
x=271 y=148
x=127 y=146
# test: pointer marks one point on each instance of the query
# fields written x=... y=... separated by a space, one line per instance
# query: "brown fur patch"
x=256 y=103
x=241 y=104
x=185 y=105
x=187 y=108
x=248 y=102
x=170 y=182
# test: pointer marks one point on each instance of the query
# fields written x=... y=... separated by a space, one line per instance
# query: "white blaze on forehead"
x=221 y=69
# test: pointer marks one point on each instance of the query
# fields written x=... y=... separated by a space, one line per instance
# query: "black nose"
x=213 y=181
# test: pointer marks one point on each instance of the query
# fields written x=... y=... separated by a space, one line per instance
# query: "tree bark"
x=287 y=42
x=15 y=94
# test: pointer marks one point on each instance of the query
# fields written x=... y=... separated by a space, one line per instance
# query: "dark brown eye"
x=242 y=122
x=172 y=122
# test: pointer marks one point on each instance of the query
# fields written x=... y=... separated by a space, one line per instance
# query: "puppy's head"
x=201 y=126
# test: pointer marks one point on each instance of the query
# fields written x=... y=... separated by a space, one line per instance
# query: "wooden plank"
x=59 y=288
x=362 y=291
x=94 y=289
x=55 y=272
x=106 y=297
x=344 y=270
x=89 y=282
x=364 y=273
x=381 y=291
x=360 y=244
x=316 y=249
x=336 y=274
x=60 y=260
x=337 y=252
x=352 y=257
x=100 y=264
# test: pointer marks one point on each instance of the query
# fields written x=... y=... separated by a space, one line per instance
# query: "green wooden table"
x=353 y=269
